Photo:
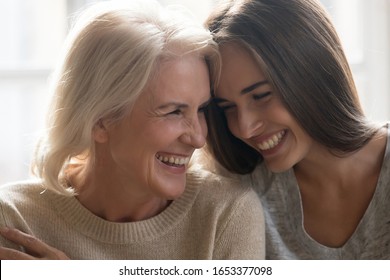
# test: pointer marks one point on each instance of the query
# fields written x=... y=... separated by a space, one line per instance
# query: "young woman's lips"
x=268 y=145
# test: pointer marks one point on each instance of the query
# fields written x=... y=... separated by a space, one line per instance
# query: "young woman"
x=286 y=112
x=114 y=179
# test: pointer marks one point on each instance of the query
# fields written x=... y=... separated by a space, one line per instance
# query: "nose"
x=196 y=132
x=249 y=123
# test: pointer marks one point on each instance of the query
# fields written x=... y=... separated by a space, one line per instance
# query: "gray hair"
x=111 y=54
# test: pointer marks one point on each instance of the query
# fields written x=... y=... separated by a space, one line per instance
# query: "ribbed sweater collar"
x=88 y=224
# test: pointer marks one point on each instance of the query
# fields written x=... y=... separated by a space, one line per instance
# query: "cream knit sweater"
x=215 y=218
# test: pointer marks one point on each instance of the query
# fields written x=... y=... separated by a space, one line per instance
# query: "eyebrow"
x=179 y=105
x=244 y=91
x=172 y=104
x=254 y=86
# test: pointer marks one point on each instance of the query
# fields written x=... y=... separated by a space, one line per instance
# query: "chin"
x=172 y=190
x=174 y=195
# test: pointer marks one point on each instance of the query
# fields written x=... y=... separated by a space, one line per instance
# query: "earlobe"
x=99 y=132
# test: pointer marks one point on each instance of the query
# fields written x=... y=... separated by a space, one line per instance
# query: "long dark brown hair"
x=298 y=49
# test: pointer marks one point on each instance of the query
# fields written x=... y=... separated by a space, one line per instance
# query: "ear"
x=99 y=132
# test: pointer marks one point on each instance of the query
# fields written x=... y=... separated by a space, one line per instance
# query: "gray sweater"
x=286 y=237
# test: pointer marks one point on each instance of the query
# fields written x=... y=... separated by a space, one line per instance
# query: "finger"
x=32 y=245
x=11 y=254
x=29 y=242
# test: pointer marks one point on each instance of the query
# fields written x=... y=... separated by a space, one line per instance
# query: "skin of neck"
x=106 y=193
x=327 y=168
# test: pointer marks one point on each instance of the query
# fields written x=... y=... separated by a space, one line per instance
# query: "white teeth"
x=174 y=160
x=272 y=141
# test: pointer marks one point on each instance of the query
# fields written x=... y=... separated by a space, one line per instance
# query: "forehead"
x=239 y=69
x=178 y=78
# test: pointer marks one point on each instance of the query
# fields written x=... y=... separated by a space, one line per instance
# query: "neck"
x=322 y=168
x=112 y=205
x=101 y=192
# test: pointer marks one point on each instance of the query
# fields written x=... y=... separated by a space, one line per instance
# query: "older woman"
x=127 y=115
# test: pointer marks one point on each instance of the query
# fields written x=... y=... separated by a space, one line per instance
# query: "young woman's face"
x=255 y=113
x=151 y=147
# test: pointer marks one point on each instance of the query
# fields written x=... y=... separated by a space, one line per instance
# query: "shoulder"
x=213 y=180
x=223 y=192
x=261 y=179
x=21 y=197
x=19 y=201
x=19 y=191
x=226 y=207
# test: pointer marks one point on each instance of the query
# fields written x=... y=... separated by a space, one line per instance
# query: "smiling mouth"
x=272 y=141
x=174 y=161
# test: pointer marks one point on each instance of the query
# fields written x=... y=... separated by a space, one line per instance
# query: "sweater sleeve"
x=7 y=215
x=243 y=232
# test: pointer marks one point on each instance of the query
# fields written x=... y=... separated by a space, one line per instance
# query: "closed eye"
x=261 y=95
x=175 y=112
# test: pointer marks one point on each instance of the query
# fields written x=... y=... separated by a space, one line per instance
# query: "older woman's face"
x=255 y=113
x=151 y=147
